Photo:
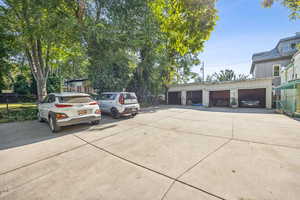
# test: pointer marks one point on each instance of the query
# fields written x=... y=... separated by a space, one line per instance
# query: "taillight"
x=62 y=105
x=93 y=103
x=98 y=111
x=121 y=99
x=60 y=116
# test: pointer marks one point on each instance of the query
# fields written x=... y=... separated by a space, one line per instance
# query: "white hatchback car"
x=119 y=103
x=63 y=109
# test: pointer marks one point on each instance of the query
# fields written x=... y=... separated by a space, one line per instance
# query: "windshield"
x=107 y=96
x=75 y=99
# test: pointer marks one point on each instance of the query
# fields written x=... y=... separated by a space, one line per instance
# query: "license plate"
x=82 y=112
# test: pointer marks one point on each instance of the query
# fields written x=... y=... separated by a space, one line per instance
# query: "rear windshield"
x=130 y=96
x=75 y=99
x=107 y=96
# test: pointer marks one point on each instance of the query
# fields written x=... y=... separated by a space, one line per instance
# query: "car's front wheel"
x=96 y=122
x=53 y=125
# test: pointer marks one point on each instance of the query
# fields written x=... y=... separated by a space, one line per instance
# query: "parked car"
x=250 y=103
x=119 y=103
x=63 y=109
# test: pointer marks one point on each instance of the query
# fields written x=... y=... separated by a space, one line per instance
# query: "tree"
x=53 y=83
x=6 y=50
x=44 y=31
x=226 y=75
x=243 y=77
x=185 y=26
x=293 y=5
x=21 y=85
x=106 y=34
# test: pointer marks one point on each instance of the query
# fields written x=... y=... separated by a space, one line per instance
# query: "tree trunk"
x=39 y=68
x=41 y=89
x=166 y=94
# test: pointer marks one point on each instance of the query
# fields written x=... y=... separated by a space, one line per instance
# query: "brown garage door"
x=174 y=98
x=255 y=98
x=219 y=98
x=194 y=97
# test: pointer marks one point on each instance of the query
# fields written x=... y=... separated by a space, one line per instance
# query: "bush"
x=53 y=84
x=233 y=102
x=21 y=85
x=19 y=114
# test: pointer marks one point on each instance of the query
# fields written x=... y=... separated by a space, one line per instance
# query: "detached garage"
x=219 y=98
x=253 y=93
x=194 y=97
x=174 y=98
x=252 y=98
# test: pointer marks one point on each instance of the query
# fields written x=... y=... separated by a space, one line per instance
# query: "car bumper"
x=79 y=120
x=130 y=111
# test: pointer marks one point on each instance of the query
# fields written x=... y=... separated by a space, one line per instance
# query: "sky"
x=244 y=27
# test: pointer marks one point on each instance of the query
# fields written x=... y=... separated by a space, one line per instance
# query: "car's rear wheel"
x=96 y=122
x=115 y=113
x=53 y=125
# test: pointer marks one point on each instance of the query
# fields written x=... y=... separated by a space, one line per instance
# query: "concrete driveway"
x=163 y=153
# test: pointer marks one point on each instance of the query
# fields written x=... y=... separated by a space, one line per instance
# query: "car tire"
x=133 y=114
x=96 y=122
x=115 y=113
x=53 y=125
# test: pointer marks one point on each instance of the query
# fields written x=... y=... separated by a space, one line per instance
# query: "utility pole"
x=202 y=70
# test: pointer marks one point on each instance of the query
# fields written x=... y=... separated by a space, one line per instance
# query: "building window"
x=276 y=70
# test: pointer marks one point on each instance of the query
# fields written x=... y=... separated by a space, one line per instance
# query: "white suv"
x=119 y=103
x=63 y=109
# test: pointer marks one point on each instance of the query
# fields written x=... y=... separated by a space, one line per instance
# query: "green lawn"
x=18 y=112
x=17 y=105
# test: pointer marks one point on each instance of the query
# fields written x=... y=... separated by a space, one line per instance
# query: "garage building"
x=246 y=93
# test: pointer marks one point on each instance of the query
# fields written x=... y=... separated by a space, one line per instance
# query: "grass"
x=17 y=105
x=18 y=112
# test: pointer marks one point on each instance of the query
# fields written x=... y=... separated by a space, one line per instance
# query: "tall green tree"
x=185 y=25
x=293 y=5
x=106 y=33
x=44 y=31
x=6 y=51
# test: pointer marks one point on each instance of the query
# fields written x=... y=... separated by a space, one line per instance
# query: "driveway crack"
x=160 y=173
x=208 y=155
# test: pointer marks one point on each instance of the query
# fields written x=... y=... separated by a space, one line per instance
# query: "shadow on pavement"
x=22 y=133
x=28 y=132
